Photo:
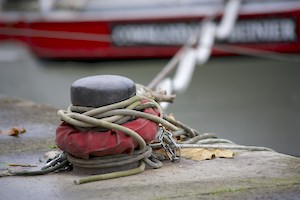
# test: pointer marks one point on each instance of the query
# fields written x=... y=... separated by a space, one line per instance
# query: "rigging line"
x=229 y=16
x=257 y=53
x=192 y=40
x=26 y=32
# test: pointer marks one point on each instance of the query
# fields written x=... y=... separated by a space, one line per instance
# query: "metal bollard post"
x=101 y=90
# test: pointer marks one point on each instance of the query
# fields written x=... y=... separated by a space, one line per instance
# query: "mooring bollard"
x=92 y=131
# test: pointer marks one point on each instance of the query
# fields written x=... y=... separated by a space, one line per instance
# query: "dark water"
x=250 y=101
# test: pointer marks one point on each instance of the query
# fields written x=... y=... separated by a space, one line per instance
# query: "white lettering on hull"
x=262 y=30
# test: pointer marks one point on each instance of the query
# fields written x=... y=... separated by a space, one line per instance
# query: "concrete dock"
x=249 y=175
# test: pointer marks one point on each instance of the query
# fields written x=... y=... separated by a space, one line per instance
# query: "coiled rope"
x=112 y=116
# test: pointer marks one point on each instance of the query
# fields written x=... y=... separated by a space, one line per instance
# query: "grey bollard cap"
x=101 y=90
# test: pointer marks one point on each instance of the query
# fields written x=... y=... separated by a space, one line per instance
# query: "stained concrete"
x=249 y=175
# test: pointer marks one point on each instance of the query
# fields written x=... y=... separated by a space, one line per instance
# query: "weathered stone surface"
x=101 y=90
x=39 y=121
x=249 y=175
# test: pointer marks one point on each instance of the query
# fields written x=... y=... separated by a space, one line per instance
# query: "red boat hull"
x=279 y=33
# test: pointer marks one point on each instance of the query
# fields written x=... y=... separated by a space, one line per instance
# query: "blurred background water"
x=251 y=101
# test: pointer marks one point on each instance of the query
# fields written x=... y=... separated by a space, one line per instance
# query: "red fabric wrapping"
x=112 y=142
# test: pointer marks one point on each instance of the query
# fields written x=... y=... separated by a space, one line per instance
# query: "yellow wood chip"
x=205 y=154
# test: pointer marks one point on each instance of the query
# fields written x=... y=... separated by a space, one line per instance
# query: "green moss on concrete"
x=240 y=187
x=226 y=190
x=259 y=183
x=161 y=198
x=276 y=182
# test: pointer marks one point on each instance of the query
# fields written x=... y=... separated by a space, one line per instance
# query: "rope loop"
x=116 y=160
